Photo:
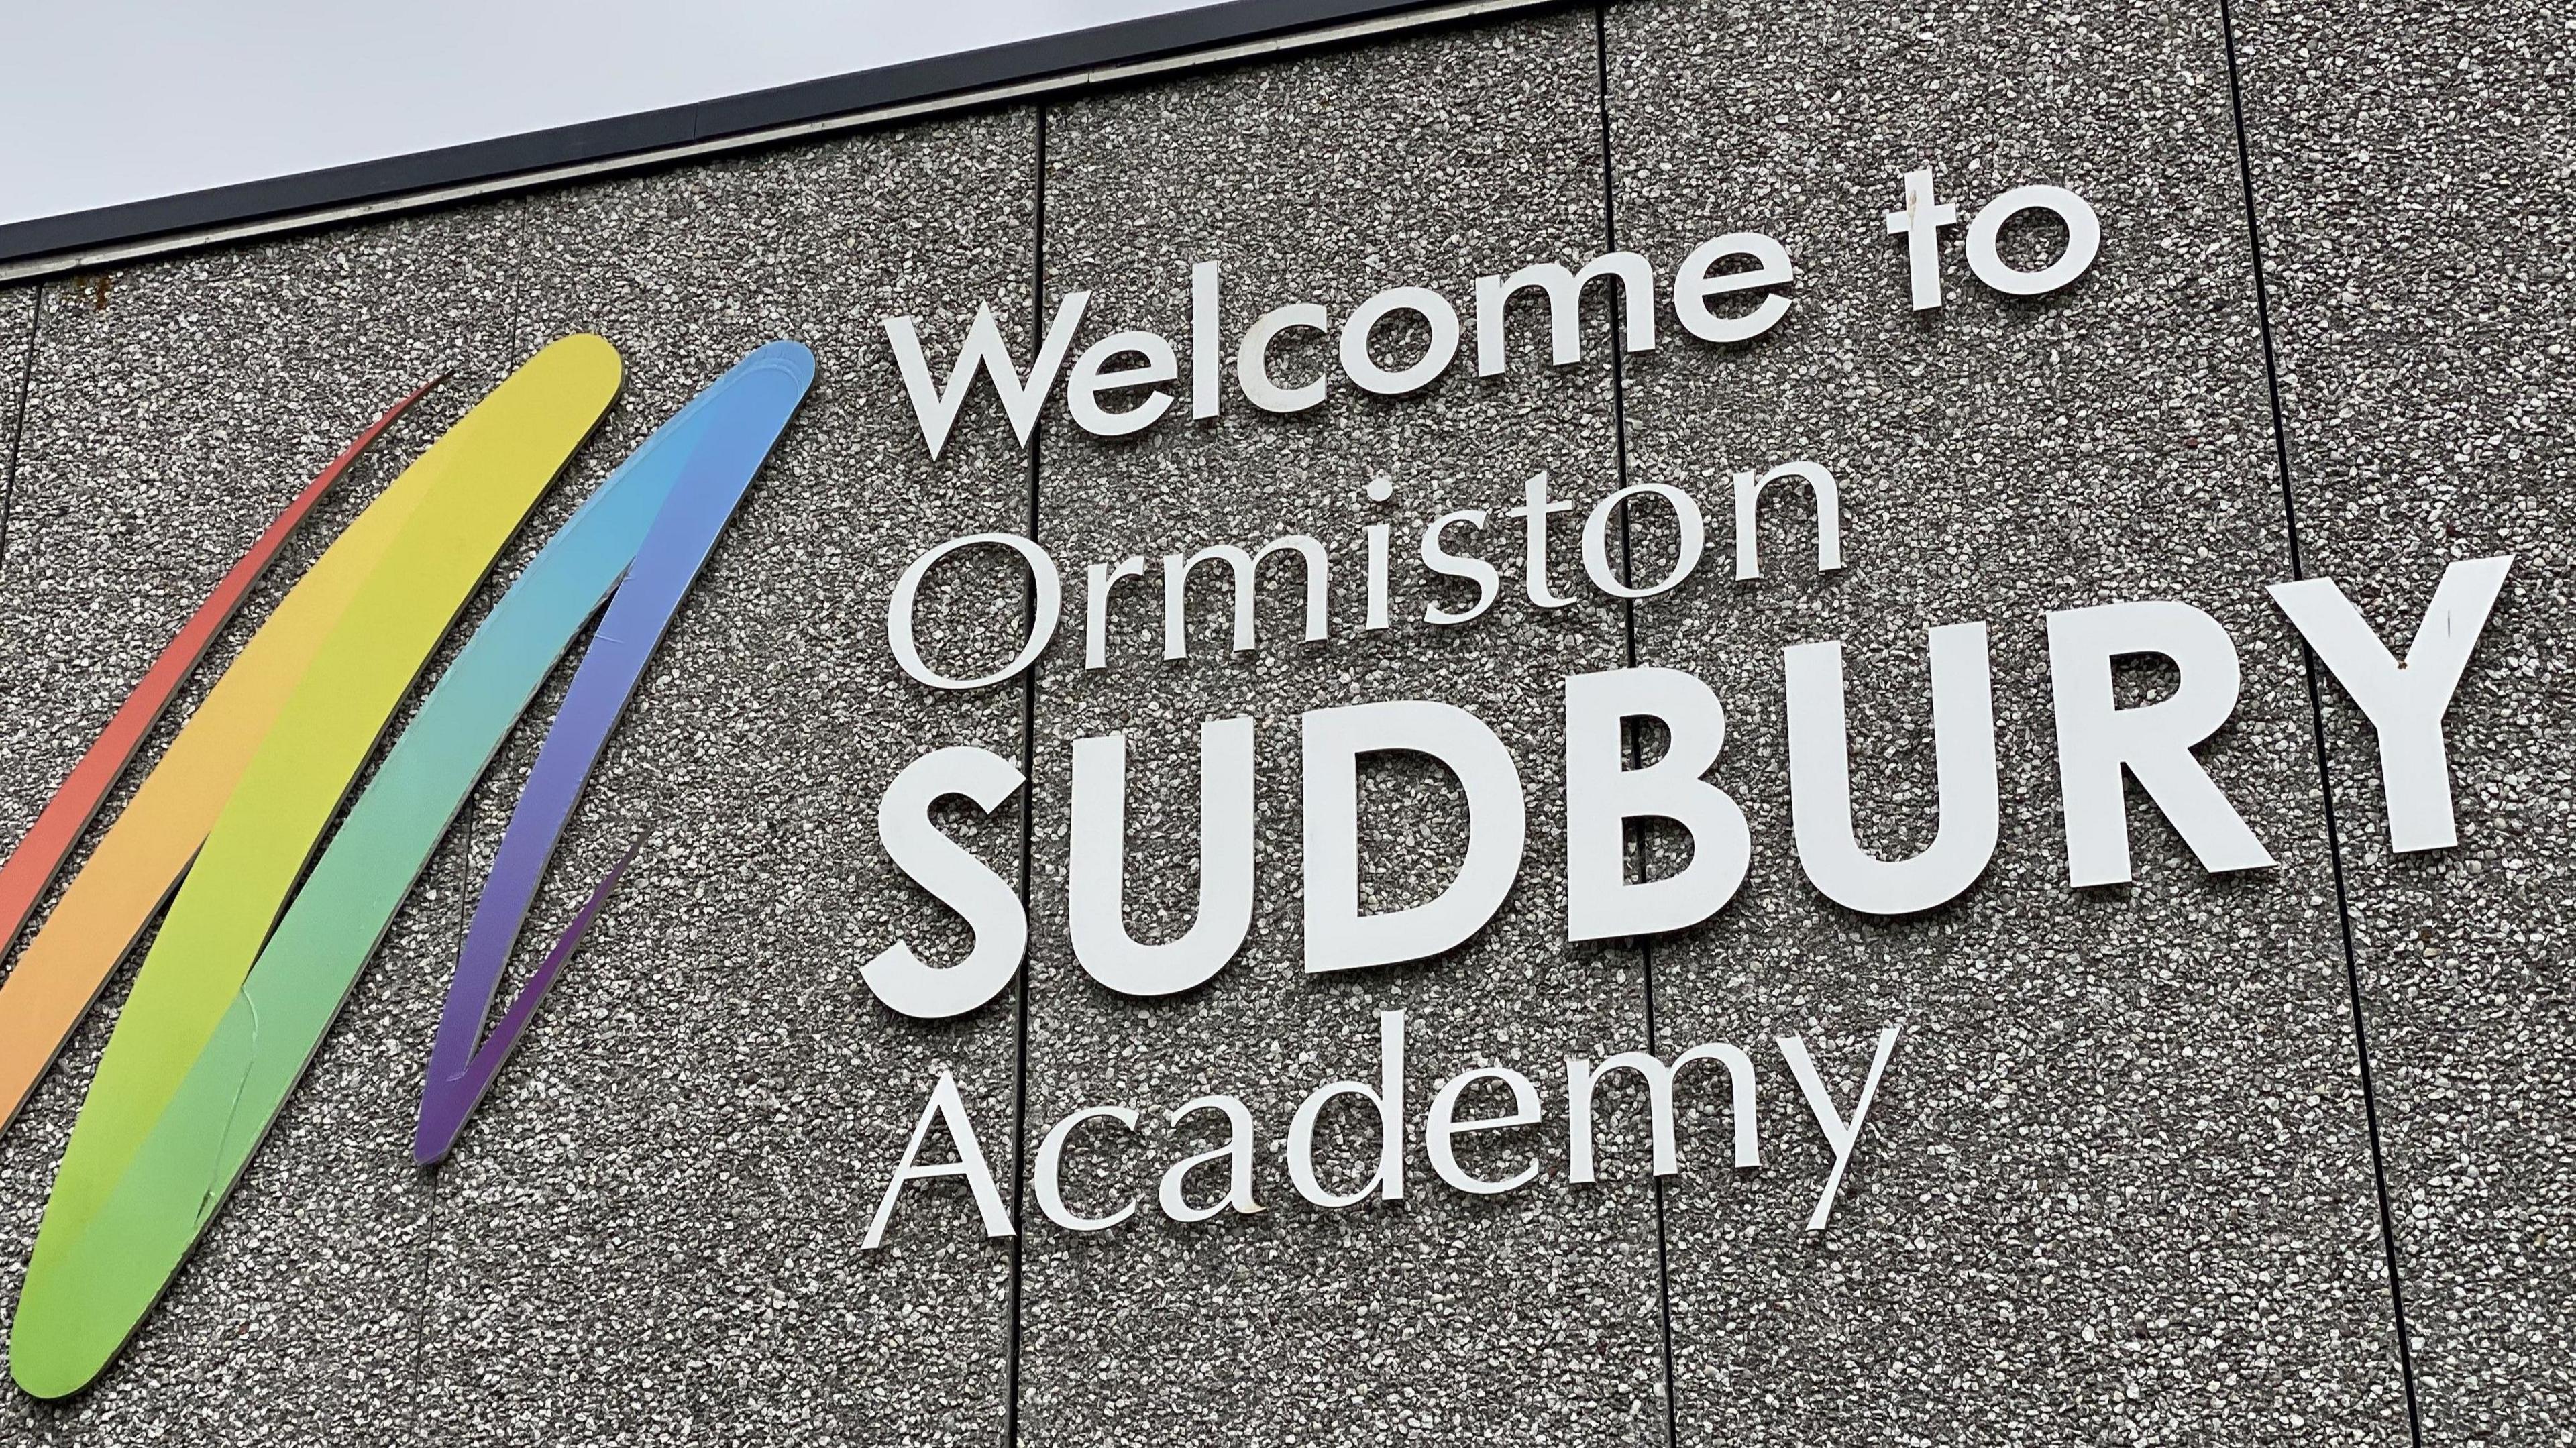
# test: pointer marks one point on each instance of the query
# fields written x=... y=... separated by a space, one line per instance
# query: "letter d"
x=1338 y=937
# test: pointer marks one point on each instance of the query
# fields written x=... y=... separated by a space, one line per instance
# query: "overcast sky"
x=119 y=100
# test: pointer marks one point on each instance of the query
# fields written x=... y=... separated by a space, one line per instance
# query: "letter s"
x=960 y=881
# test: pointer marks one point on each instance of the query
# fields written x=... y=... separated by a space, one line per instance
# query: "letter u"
x=1096 y=908
x=1963 y=726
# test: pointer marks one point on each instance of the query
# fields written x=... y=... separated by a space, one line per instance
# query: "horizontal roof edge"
x=1206 y=35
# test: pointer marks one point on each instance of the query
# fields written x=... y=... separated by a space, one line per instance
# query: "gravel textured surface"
x=1527 y=1318
x=2418 y=204
x=154 y=450
x=2118 y=1185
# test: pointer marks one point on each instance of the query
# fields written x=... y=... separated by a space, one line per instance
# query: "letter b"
x=1602 y=794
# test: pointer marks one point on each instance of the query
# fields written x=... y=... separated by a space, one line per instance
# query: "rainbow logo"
x=248 y=970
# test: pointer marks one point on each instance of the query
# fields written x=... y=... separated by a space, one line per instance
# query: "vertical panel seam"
x=430 y=1177
x=18 y=421
x=1028 y=836
x=2317 y=731
x=1628 y=617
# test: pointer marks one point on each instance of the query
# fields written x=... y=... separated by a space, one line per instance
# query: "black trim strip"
x=1229 y=22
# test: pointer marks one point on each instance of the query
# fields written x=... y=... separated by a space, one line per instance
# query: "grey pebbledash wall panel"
x=2418 y=211
x=721 y=1092
x=652 y=1235
x=2117 y=1185
x=170 y=415
x=1530 y=1318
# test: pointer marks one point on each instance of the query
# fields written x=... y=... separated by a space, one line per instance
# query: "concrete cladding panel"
x=2418 y=210
x=1528 y=1318
x=652 y=1232
x=2117 y=1185
x=155 y=447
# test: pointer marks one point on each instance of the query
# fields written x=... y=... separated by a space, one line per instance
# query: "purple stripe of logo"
x=710 y=486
